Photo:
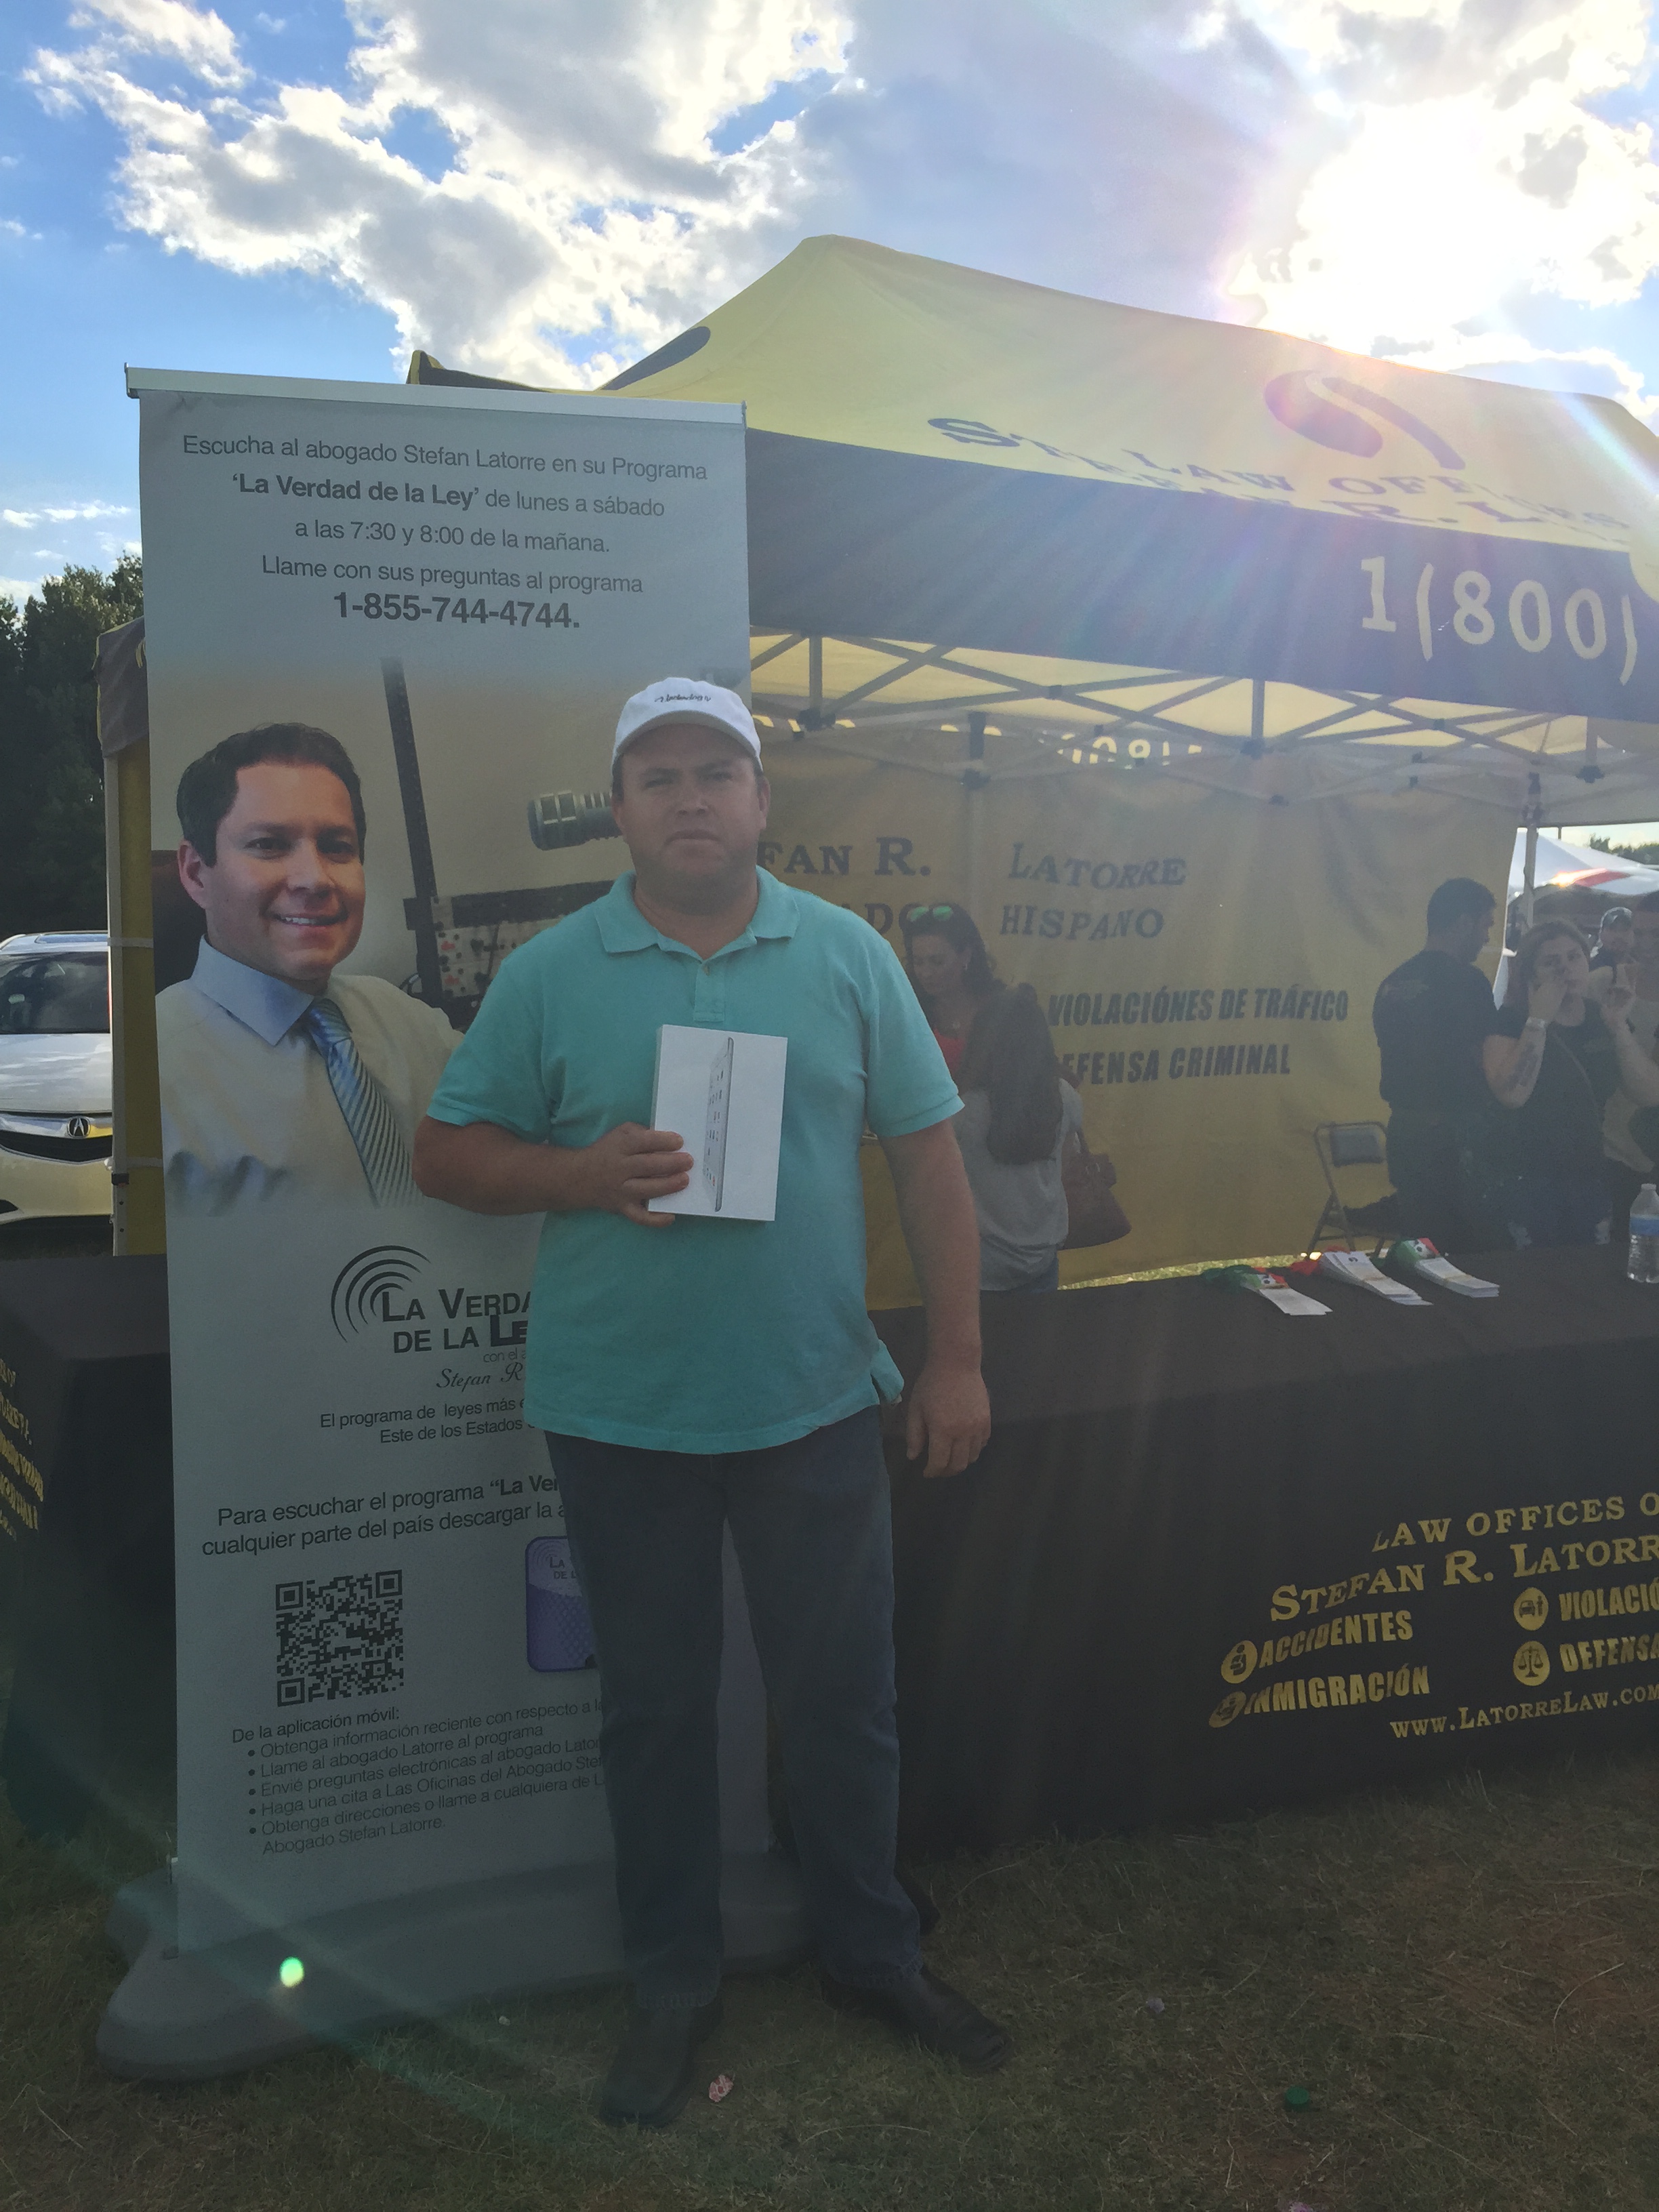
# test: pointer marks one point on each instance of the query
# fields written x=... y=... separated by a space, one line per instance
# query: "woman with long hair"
x=1533 y=1159
x=1018 y=1115
x=950 y=972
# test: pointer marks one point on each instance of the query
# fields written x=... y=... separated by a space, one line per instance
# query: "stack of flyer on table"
x=1360 y=1269
x=1415 y=1258
x=1262 y=1283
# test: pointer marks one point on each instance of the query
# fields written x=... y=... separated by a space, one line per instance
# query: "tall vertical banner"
x=1206 y=960
x=386 y=1684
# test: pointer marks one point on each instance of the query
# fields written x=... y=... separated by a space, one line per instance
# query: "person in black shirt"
x=1615 y=939
x=1431 y=1017
x=1534 y=1160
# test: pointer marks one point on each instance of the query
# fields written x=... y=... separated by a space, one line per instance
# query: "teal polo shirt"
x=709 y=1336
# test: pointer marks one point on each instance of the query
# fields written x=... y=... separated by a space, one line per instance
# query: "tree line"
x=51 y=773
x=1647 y=855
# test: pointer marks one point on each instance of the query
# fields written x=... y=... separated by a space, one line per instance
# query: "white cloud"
x=585 y=217
x=87 y=511
x=1478 y=178
x=195 y=37
x=1438 y=179
x=89 y=532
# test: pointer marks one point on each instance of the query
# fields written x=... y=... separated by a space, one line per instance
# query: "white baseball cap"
x=684 y=699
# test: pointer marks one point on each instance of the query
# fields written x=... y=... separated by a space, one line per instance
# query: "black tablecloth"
x=1124 y=1610
x=84 y=1400
x=1088 y=1630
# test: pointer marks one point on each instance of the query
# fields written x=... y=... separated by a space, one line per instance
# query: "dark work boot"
x=655 y=2067
x=929 y=2012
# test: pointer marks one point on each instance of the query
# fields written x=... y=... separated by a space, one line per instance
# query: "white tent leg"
x=1526 y=879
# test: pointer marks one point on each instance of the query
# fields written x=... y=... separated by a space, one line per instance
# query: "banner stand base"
x=189 y=2016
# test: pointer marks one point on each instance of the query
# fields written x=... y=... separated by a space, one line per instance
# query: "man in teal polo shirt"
x=696 y=1372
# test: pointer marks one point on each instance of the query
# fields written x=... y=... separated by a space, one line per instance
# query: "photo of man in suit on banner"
x=285 y=1082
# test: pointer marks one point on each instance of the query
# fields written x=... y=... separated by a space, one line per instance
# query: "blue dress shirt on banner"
x=259 y=1108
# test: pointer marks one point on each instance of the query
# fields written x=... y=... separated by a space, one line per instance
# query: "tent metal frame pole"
x=906 y=667
x=784 y=645
x=1530 y=815
x=1148 y=702
x=1450 y=726
x=908 y=658
x=1488 y=726
x=116 y=924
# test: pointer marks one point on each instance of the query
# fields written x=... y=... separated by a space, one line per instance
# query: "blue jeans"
x=810 y=1523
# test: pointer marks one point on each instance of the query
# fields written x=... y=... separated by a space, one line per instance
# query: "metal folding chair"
x=1346 y=1145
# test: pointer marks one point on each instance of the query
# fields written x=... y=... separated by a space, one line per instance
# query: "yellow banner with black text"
x=1207 y=962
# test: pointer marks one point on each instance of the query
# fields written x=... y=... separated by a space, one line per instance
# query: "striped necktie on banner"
x=367 y=1108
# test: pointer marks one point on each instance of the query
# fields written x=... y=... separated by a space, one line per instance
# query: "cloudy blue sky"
x=546 y=188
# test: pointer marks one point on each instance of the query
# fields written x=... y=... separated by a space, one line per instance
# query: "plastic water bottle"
x=1644 y=1236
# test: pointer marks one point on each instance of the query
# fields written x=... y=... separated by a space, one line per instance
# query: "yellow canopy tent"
x=1189 y=657
x=1139 y=537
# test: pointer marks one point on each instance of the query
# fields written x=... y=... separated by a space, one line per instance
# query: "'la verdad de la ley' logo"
x=385 y=1294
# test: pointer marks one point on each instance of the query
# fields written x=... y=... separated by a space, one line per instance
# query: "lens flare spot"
x=291 y=1973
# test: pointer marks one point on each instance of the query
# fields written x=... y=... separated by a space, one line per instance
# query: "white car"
x=55 y=1126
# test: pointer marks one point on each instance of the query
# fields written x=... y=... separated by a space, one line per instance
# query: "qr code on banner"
x=339 y=1638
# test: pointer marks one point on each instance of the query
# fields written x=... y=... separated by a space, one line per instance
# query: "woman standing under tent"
x=1017 y=1116
x=1534 y=1156
x=950 y=970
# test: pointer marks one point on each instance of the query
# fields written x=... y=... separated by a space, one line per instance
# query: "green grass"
x=1462 y=1976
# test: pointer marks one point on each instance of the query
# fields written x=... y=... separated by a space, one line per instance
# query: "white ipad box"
x=723 y=1090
